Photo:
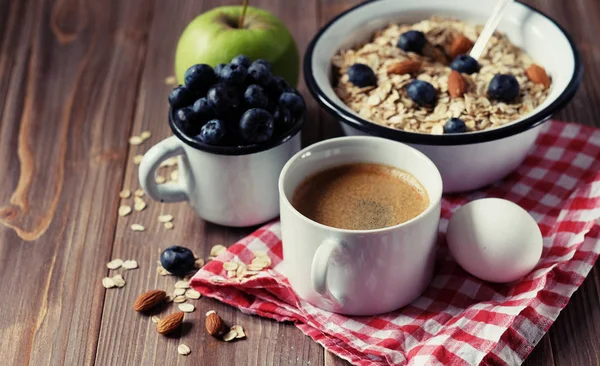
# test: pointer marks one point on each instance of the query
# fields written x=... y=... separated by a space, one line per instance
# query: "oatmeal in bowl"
x=466 y=95
x=406 y=88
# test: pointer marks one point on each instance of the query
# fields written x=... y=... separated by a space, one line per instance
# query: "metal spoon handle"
x=489 y=28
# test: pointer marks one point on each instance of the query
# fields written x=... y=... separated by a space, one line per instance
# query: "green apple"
x=214 y=37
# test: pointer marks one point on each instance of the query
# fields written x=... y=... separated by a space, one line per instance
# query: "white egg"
x=495 y=240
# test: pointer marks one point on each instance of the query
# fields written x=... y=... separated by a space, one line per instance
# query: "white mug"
x=231 y=186
x=359 y=272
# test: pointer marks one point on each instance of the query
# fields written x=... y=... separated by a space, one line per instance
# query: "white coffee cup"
x=359 y=272
x=231 y=186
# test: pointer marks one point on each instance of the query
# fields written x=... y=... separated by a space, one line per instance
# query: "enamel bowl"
x=470 y=160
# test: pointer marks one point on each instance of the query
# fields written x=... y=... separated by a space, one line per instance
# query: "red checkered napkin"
x=459 y=320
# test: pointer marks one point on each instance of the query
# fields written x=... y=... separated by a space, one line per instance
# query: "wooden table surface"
x=77 y=79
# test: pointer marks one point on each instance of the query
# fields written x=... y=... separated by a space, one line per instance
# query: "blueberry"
x=362 y=75
x=504 y=88
x=233 y=74
x=283 y=118
x=177 y=260
x=203 y=110
x=241 y=60
x=259 y=74
x=422 y=93
x=412 y=41
x=188 y=121
x=180 y=97
x=455 y=125
x=465 y=64
x=219 y=69
x=223 y=99
x=256 y=125
x=294 y=103
x=265 y=63
x=213 y=132
x=276 y=86
x=199 y=76
x=255 y=97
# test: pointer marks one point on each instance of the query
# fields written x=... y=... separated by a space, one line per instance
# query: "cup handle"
x=167 y=192
x=320 y=266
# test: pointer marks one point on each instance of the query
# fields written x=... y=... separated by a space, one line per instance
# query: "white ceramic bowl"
x=470 y=160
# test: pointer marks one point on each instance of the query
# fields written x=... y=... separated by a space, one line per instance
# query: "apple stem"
x=244 y=7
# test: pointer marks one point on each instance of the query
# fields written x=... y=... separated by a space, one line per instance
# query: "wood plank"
x=65 y=118
x=127 y=337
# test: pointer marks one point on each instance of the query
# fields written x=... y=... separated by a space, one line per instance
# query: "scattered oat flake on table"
x=135 y=140
x=182 y=284
x=160 y=179
x=139 y=192
x=139 y=204
x=118 y=280
x=145 y=135
x=239 y=330
x=124 y=210
x=168 y=162
x=179 y=291
x=192 y=294
x=183 y=350
x=168 y=225
x=165 y=218
x=217 y=249
x=137 y=159
x=137 y=227
x=187 y=308
x=163 y=272
x=107 y=282
x=155 y=319
x=171 y=80
x=231 y=335
x=130 y=264
x=179 y=299
x=199 y=263
x=114 y=264
x=126 y=193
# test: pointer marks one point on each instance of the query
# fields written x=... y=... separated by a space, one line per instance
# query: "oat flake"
x=192 y=294
x=124 y=210
x=137 y=159
x=107 y=282
x=130 y=264
x=187 y=308
x=183 y=350
x=114 y=264
x=126 y=193
x=137 y=227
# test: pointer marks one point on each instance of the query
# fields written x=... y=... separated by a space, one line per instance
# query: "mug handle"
x=167 y=192
x=320 y=266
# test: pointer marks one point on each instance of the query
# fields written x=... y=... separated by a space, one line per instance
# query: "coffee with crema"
x=361 y=197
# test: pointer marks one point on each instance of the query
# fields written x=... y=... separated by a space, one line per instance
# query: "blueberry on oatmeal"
x=465 y=64
x=422 y=93
x=412 y=41
x=362 y=75
x=504 y=88
x=455 y=125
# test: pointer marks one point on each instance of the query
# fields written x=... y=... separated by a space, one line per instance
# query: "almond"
x=461 y=45
x=215 y=325
x=169 y=323
x=457 y=85
x=538 y=75
x=404 y=67
x=148 y=300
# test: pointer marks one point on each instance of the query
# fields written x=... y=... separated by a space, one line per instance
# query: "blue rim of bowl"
x=374 y=129
x=235 y=150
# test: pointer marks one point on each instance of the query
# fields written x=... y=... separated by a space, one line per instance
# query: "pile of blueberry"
x=503 y=87
x=235 y=104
